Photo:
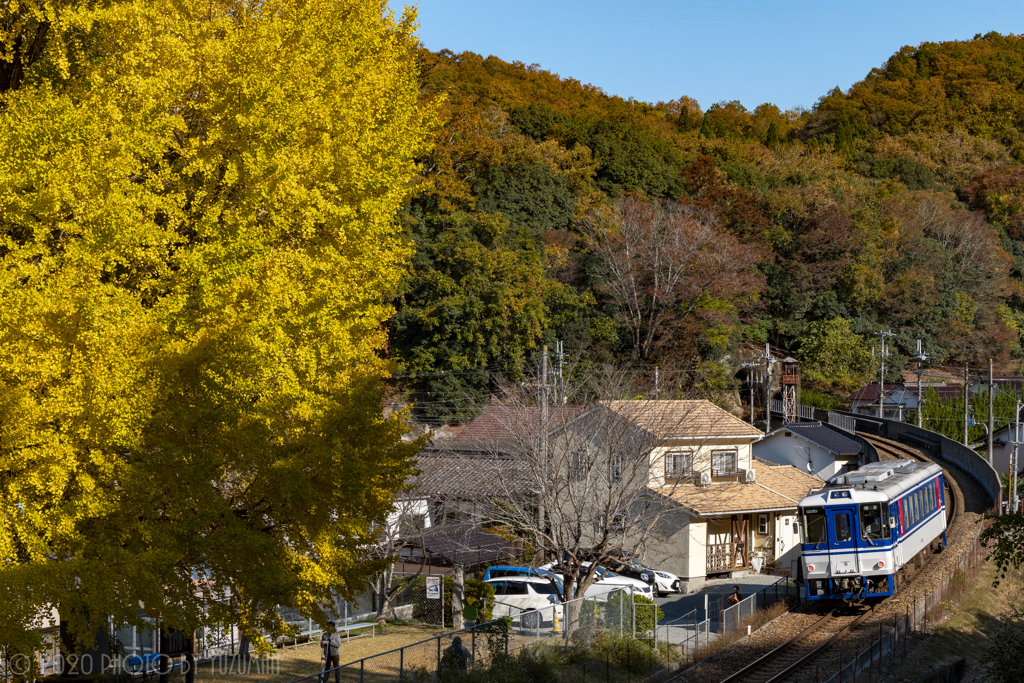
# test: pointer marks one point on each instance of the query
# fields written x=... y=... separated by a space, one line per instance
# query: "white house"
x=727 y=515
x=1002 y=451
x=811 y=447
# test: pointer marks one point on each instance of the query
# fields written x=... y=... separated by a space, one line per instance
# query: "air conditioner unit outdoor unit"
x=705 y=479
x=749 y=477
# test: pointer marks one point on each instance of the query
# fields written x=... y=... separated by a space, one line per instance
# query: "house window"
x=617 y=463
x=723 y=463
x=618 y=522
x=762 y=524
x=678 y=464
x=578 y=466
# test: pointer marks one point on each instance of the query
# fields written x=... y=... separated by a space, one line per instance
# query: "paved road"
x=676 y=606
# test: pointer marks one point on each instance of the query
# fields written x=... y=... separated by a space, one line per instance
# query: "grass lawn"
x=964 y=633
x=291 y=662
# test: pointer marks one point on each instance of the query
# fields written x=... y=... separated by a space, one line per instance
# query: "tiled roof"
x=681 y=419
x=463 y=544
x=869 y=392
x=777 y=488
x=511 y=423
x=467 y=476
x=816 y=432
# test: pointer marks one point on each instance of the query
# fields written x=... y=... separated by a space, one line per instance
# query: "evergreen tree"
x=705 y=128
x=683 y=121
x=721 y=132
x=773 y=134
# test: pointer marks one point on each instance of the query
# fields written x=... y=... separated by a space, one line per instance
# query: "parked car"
x=499 y=571
x=532 y=598
x=662 y=582
x=607 y=582
x=625 y=564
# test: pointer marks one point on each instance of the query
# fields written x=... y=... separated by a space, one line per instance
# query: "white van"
x=525 y=595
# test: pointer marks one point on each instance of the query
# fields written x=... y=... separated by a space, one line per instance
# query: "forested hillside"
x=663 y=234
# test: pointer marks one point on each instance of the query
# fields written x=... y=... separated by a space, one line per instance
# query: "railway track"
x=801 y=654
x=801 y=650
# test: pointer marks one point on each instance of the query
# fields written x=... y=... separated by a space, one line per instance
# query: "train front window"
x=843 y=527
x=874 y=522
x=815 y=526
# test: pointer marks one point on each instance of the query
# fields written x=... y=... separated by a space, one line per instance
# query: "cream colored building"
x=727 y=512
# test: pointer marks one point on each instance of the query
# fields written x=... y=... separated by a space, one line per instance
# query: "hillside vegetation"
x=662 y=234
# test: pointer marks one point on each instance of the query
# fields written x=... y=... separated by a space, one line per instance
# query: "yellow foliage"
x=197 y=253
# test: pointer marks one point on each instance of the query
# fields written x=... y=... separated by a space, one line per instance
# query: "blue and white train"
x=865 y=531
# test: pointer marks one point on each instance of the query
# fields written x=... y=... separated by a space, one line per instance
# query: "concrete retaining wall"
x=940 y=447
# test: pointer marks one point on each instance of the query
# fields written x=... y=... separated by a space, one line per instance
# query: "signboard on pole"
x=433 y=587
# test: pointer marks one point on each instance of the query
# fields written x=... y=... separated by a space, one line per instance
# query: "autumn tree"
x=665 y=264
x=198 y=251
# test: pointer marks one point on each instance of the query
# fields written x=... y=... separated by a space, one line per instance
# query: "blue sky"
x=789 y=53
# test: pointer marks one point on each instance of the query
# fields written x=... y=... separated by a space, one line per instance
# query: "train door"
x=842 y=547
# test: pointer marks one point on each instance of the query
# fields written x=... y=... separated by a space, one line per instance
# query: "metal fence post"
x=401 y=665
x=622 y=597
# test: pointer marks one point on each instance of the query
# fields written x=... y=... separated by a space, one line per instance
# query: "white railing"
x=844 y=422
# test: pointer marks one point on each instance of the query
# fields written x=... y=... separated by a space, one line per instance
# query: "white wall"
x=702 y=450
x=797 y=451
x=787 y=543
x=413 y=507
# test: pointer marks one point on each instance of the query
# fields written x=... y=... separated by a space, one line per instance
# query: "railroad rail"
x=792 y=655
x=811 y=643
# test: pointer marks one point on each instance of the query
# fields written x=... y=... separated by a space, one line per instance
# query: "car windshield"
x=815 y=526
x=874 y=522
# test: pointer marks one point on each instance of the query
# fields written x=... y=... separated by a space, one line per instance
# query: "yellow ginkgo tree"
x=197 y=251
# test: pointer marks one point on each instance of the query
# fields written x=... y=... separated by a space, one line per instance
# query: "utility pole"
x=656 y=396
x=967 y=406
x=559 y=377
x=767 y=387
x=881 y=369
x=921 y=357
x=543 y=441
x=991 y=418
x=1016 y=436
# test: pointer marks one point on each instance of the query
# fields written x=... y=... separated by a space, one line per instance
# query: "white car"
x=608 y=582
x=528 y=596
x=664 y=582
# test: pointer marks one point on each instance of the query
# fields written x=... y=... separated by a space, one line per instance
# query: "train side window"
x=843 y=527
x=874 y=522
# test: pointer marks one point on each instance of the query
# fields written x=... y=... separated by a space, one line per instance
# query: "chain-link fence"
x=889 y=648
x=735 y=615
x=625 y=625
x=421 y=598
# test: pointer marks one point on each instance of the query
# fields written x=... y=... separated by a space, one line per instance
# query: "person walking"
x=330 y=644
x=456 y=657
x=734 y=597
